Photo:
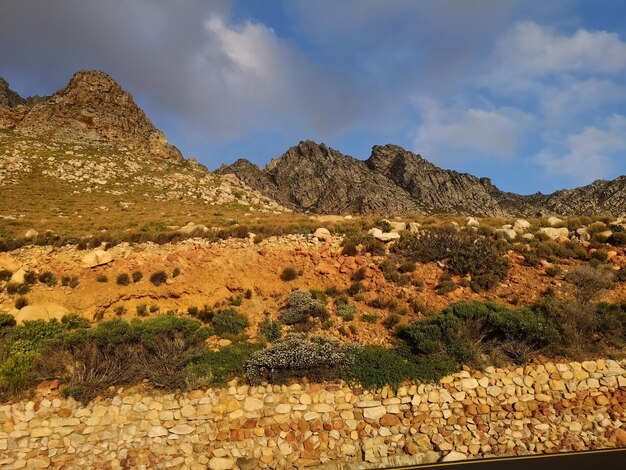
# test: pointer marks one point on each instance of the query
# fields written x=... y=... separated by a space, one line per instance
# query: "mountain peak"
x=8 y=97
x=93 y=109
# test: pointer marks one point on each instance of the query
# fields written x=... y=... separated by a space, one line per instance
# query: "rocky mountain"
x=92 y=110
x=313 y=177
x=89 y=153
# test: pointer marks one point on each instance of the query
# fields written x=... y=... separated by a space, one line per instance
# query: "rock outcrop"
x=312 y=177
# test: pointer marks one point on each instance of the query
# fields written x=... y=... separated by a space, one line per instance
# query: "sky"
x=529 y=93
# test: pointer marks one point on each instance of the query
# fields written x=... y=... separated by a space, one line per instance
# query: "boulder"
x=472 y=222
x=32 y=233
x=191 y=228
x=383 y=236
x=554 y=233
x=323 y=234
x=18 y=276
x=508 y=233
x=414 y=227
x=398 y=226
x=96 y=258
x=554 y=221
x=454 y=456
x=521 y=224
x=39 y=312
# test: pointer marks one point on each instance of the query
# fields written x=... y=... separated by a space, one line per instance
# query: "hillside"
x=88 y=158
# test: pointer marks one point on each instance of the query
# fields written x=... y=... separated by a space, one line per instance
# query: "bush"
x=176 y=272
x=248 y=294
x=433 y=245
x=5 y=274
x=120 y=310
x=137 y=276
x=47 y=278
x=620 y=276
x=478 y=258
x=373 y=367
x=30 y=277
x=374 y=246
x=300 y=305
x=355 y=288
x=74 y=321
x=158 y=278
x=599 y=255
x=384 y=225
x=102 y=278
x=407 y=267
x=465 y=331
x=349 y=248
x=142 y=310
x=617 y=239
x=297 y=356
x=21 y=302
x=553 y=271
x=229 y=322
x=289 y=274
x=588 y=282
x=369 y=318
x=359 y=275
x=218 y=367
x=123 y=279
x=445 y=287
x=345 y=310
x=391 y=321
x=73 y=282
x=271 y=330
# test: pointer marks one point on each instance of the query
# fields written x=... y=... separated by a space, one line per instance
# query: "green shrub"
x=30 y=277
x=297 y=356
x=349 y=248
x=617 y=239
x=374 y=246
x=73 y=283
x=620 y=276
x=271 y=330
x=218 y=367
x=600 y=255
x=369 y=318
x=176 y=272
x=229 y=322
x=407 y=267
x=359 y=275
x=344 y=309
x=300 y=305
x=5 y=274
x=248 y=294
x=445 y=287
x=391 y=321
x=21 y=302
x=384 y=225
x=553 y=271
x=73 y=321
x=158 y=278
x=102 y=278
x=289 y=274
x=123 y=279
x=373 y=367
x=47 y=278
x=142 y=310
x=137 y=276
x=355 y=288
x=478 y=258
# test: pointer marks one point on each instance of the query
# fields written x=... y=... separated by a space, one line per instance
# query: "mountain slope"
x=88 y=157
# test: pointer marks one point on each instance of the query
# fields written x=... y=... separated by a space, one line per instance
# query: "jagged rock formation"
x=316 y=178
x=313 y=177
x=91 y=110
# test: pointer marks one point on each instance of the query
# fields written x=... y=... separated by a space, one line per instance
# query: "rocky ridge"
x=313 y=177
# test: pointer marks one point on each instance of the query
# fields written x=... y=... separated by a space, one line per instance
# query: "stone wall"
x=536 y=409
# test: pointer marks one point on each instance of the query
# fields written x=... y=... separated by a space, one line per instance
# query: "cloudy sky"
x=529 y=93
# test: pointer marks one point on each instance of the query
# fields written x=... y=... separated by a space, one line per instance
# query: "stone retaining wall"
x=536 y=409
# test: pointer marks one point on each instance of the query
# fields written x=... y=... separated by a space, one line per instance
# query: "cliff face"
x=316 y=178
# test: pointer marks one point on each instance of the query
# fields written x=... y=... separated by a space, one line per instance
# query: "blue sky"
x=531 y=94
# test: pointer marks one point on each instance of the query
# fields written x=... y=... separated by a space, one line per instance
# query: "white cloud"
x=449 y=134
x=530 y=51
x=561 y=105
x=588 y=155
